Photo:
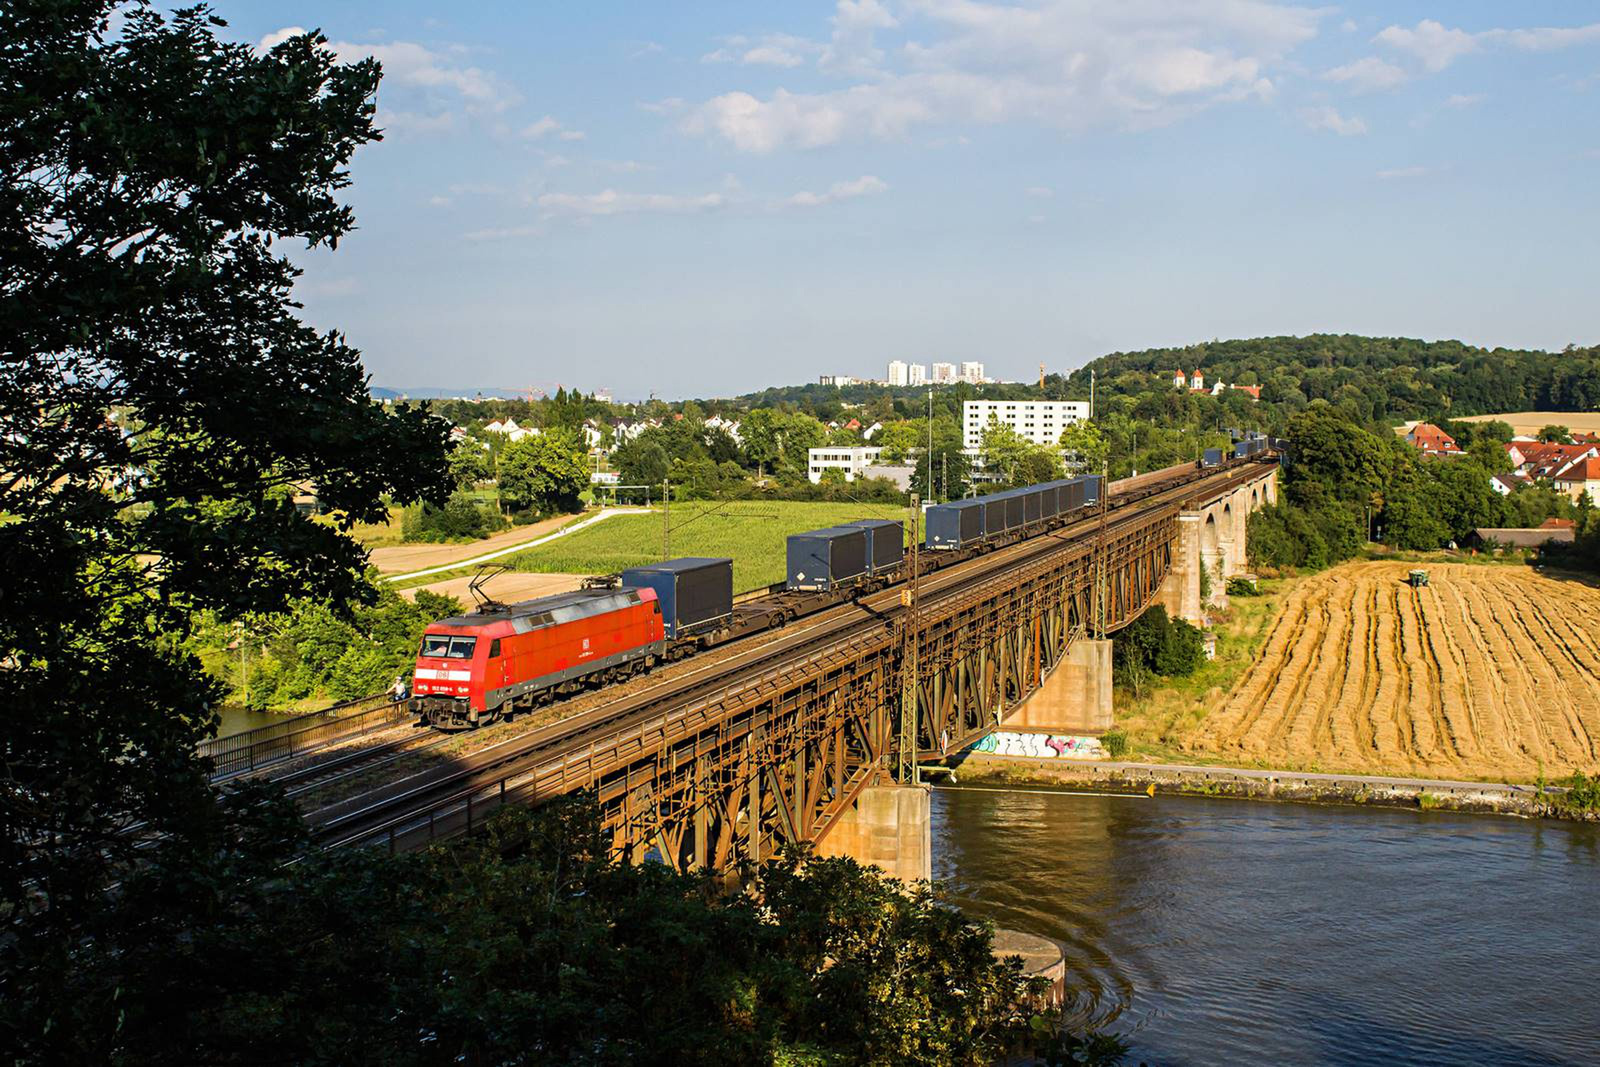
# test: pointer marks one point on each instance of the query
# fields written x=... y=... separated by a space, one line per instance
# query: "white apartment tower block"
x=898 y=372
x=1040 y=421
x=972 y=372
x=919 y=374
x=944 y=373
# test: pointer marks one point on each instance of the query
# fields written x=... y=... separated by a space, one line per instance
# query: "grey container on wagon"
x=1002 y=512
x=886 y=544
x=954 y=525
x=695 y=592
x=1093 y=484
x=1212 y=458
x=819 y=560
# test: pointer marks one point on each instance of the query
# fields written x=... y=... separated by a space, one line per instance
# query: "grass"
x=752 y=532
x=1157 y=721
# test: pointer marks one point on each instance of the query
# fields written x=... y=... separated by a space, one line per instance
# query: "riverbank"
x=1304 y=787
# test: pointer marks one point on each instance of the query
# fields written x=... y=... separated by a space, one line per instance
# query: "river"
x=1239 y=932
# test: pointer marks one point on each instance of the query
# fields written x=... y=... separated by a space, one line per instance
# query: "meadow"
x=751 y=532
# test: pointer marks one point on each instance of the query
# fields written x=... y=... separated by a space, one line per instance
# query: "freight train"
x=501 y=659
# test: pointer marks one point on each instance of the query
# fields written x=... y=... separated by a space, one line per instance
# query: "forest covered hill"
x=1378 y=378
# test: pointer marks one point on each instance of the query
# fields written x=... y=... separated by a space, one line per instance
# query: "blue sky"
x=706 y=199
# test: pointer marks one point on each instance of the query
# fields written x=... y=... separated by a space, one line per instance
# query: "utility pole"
x=1091 y=392
x=928 y=488
x=1100 y=580
x=666 y=526
x=909 y=772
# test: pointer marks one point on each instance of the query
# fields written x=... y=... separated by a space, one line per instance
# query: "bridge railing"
x=299 y=734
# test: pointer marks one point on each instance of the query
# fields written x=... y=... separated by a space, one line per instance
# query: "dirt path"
x=1489 y=671
x=404 y=561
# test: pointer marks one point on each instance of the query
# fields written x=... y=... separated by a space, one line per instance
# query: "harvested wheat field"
x=1488 y=672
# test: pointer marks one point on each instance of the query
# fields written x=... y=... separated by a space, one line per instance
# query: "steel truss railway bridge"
x=796 y=738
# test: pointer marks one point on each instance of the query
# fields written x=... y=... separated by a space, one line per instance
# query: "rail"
x=248 y=751
x=430 y=806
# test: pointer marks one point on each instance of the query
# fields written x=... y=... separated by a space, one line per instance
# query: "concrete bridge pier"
x=890 y=826
x=1180 y=590
x=1075 y=698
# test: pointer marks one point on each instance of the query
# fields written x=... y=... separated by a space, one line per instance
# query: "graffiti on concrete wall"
x=1041 y=746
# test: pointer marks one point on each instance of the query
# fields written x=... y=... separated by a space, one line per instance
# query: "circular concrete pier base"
x=1041 y=958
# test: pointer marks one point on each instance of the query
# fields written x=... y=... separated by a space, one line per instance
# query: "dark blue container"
x=695 y=592
x=818 y=560
x=954 y=525
x=886 y=544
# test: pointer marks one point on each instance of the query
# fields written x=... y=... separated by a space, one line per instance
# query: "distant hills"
x=1385 y=377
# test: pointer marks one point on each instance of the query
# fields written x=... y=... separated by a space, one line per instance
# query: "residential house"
x=1580 y=478
x=1428 y=439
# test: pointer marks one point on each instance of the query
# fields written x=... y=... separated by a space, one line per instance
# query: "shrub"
x=461 y=519
x=1115 y=742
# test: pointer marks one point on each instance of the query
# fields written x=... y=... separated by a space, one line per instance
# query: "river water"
x=1238 y=932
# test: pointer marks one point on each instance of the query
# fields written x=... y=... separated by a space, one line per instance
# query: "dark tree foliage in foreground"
x=159 y=402
x=528 y=944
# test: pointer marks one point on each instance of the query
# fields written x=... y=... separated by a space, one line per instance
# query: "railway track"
x=450 y=792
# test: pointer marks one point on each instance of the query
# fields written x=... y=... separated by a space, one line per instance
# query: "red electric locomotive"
x=474 y=668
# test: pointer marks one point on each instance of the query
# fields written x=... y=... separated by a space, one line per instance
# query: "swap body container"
x=1213 y=458
x=886 y=543
x=819 y=560
x=954 y=525
x=695 y=592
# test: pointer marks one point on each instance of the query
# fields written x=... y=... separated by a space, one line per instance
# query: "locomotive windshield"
x=443 y=646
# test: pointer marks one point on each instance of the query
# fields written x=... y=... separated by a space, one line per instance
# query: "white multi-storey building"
x=972 y=372
x=840 y=380
x=850 y=460
x=898 y=372
x=918 y=374
x=944 y=373
x=1040 y=421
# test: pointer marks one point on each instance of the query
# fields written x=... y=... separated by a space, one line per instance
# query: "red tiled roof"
x=1429 y=438
x=1586 y=471
x=1558 y=524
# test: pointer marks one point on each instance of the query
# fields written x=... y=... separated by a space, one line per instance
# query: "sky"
x=706 y=199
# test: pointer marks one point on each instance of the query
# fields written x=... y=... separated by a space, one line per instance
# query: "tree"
x=642 y=461
x=469 y=464
x=160 y=397
x=1085 y=447
x=1556 y=434
x=543 y=472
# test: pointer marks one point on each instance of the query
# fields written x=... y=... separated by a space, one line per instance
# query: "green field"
x=750 y=531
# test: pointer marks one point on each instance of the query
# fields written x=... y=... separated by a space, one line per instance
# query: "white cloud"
x=1431 y=42
x=1328 y=118
x=1041 y=191
x=671 y=105
x=1402 y=172
x=1058 y=63
x=611 y=202
x=649 y=48
x=547 y=125
x=537 y=129
x=1367 y=75
x=1437 y=46
x=504 y=233
x=772 y=50
x=435 y=79
x=277 y=37
x=866 y=185
x=1466 y=99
